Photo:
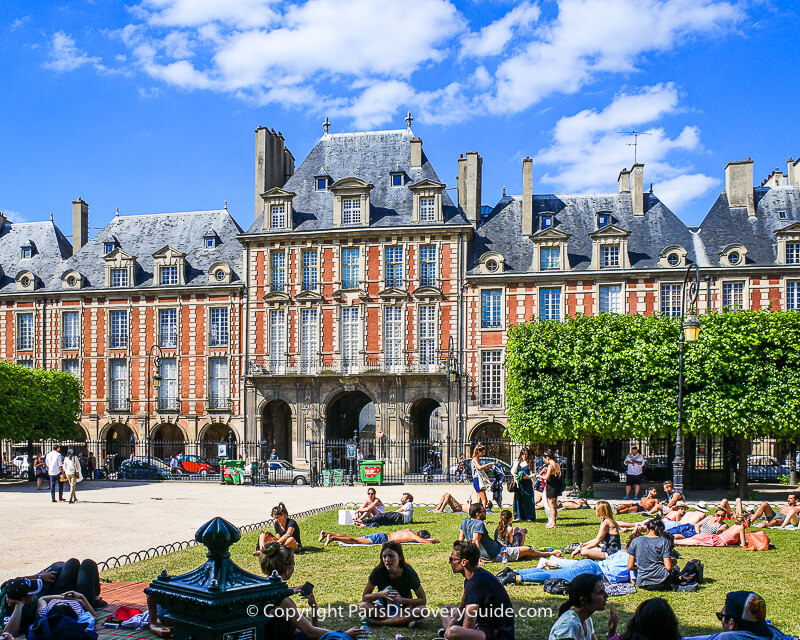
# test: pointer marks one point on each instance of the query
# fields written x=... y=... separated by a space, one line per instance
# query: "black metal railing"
x=219 y=403
x=168 y=404
x=330 y=365
x=119 y=404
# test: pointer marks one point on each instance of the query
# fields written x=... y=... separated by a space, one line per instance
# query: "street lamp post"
x=154 y=367
x=689 y=332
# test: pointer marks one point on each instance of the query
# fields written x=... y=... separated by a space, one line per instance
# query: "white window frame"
x=670 y=296
x=426 y=264
x=26 y=333
x=550 y=264
x=219 y=328
x=168 y=392
x=70 y=330
x=547 y=292
x=351 y=268
x=168 y=340
x=309 y=340
x=277 y=216
x=426 y=333
x=218 y=388
x=792 y=295
x=609 y=288
x=493 y=325
x=119 y=277
x=427 y=209
x=723 y=294
x=492 y=378
x=118 y=384
x=277 y=262
x=393 y=337
x=351 y=338
x=310 y=258
x=393 y=266
x=118 y=329
x=277 y=340
x=72 y=366
x=610 y=256
x=168 y=275
x=793 y=253
x=351 y=211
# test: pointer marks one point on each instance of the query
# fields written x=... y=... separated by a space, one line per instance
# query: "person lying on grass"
x=422 y=536
x=607 y=541
x=646 y=504
x=788 y=513
x=448 y=501
x=400 y=598
x=730 y=536
x=613 y=569
x=679 y=515
x=77 y=602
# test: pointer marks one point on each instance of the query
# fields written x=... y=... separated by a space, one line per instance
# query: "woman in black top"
x=286 y=529
x=555 y=485
x=607 y=541
x=399 y=598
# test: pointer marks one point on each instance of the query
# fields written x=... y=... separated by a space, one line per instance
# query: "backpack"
x=556 y=586
x=692 y=572
x=59 y=628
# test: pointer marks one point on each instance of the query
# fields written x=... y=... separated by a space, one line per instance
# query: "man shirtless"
x=448 y=501
x=645 y=504
x=789 y=513
x=403 y=535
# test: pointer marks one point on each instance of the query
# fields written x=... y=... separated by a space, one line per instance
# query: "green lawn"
x=339 y=573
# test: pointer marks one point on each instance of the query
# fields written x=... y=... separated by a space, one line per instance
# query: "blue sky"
x=150 y=105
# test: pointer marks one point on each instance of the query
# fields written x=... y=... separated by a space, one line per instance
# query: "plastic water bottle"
x=365 y=627
x=505 y=558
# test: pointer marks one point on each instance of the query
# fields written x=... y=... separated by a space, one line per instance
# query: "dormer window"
x=277 y=216
x=673 y=256
x=610 y=247
x=108 y=247
x=609 y=256
x=793 y=253
x=321 y=183
x=351 y=211
x=168 y=275
x=119 y=277
x=782 y=215
x=27 y=251
x=210 y=242
x=735 y=255
x=427 y=209
x=398 y=179
x=277 y=209
x=603 y=219
x=427 y=204
x=547 y=221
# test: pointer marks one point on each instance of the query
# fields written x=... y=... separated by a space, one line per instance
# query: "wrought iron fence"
x=330 y=365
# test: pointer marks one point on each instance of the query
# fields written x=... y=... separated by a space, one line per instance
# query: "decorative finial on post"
x=117 y=213
x=326 y=125
x=409 y=119
x=226 y=205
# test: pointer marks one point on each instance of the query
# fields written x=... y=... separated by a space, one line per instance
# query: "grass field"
x=339 y=574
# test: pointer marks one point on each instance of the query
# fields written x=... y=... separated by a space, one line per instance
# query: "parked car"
x=280 y=472
x=765 y=469
x=141 y=469
x=656 y=468
x=602 y=474
x=196 y=464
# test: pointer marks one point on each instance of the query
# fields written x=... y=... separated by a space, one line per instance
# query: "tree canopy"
x=617 y=376
x=38 y=404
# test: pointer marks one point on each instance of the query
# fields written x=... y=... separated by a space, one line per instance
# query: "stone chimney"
x=274 y=164
x=416 y=152
x=774 y=179
x=80 y=224
x=637 y=189
x=469 y=186
x=527 y=196
x=624 y=180
x=793 y=172
x=3 y=220
x=739 y=186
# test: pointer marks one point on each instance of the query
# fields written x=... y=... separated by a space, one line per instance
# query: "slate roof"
x=575 y=214
x=143 y=235
x=370 y=156
x=724 y=225
x=51 y=247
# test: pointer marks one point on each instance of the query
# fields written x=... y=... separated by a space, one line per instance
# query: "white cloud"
x=492 y=39
x=590 y=147
x=194 y=13
x=65 y=56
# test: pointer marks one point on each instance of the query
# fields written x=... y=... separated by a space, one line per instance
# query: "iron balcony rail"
x=220 y=403
x=330 y=365
x=168 y=404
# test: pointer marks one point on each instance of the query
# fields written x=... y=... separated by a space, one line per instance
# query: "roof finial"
x=651 y=187
x=409 y=119
x=51 y=216
x=504 y=191
x=117 y=213
x=226 y=205
x=326 y=125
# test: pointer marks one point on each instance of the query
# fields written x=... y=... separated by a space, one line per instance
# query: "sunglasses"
x=451 y=560
x=722 y=616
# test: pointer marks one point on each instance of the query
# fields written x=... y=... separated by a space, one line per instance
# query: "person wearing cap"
x=19 y=601
x=744 y=617
x=634 y=462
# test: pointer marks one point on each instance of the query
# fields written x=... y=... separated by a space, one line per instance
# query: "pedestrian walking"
x=40 y=469
x=54 y=463
x=72 y=469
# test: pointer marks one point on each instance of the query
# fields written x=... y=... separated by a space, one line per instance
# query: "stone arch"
x=215 y=434
x=167 y=439
x=425 y=429
x=491 y=434
x=276 y=429
x=118 y=442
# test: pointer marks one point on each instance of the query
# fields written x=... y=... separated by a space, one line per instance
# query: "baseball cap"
x=749 y=610
x=21 y=587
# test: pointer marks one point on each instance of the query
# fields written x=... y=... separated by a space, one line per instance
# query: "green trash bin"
x=371 y=471
x=233 y=471
x=327 y=477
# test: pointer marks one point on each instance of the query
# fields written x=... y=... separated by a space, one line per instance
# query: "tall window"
x=427 y=210
x=277 y=216
x=309 y=339
x=168 y=328
x=733 y=295
x=351 y=211
x=310 y=273
x=278 y=270
x=350 y=337
x=427 y=334
x=609 y=255
x=394 y=266
x=610 y=299
x=549 y=258
x=24 y=331
x=218 y=328
x=792 y=253
x=71 y=338
x=118 y=337
x=427 y=265
x=393 y=336
x=793 y=295
x=119 y=277
x=277 y=337
x=118 y=384
x=168 y=394
x=671 y=300
x=491 y=378
x=218 y=383
x=350 y=268
x=72 y=367
x=549 y=304
x=490 y=308
x=169 y=275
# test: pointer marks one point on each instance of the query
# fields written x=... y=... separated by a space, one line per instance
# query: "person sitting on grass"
x=448 y=501
x=744 y=617
x=607 y=541
x=404 y=515
x=372 y=506
x=788 y=513
x=400 y=599
x=651 y=555
x=506 y=534
x=613 y=569
x=673 y=498
x=646 y=504
x=586 y=595
x=473 y=529
x=737 y=534
x=422 y=536
x=287 y=531
x=652 y=618
x=485 y=611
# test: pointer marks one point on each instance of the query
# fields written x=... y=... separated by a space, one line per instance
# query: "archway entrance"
x=167 y=440
x=276 y=430
x=214 y=435
x=425 y=430
x=119 y=444
x=491 y=434
x=349 y=414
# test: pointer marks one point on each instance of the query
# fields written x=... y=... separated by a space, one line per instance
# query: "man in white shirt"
x=54 y=462
x=635 y=463
x=404 y=515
